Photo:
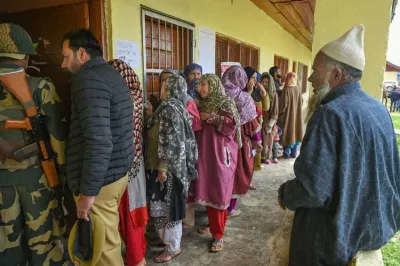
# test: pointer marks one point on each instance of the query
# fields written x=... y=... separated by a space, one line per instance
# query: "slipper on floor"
x=234 y=213
x=217 y=245
x=165 y=257
x=204 y=230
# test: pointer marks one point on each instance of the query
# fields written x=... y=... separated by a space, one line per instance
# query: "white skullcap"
x=348 y=49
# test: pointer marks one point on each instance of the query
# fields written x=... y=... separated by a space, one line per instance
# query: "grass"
x=396 y=120
x=391 y=251
x=398 y=141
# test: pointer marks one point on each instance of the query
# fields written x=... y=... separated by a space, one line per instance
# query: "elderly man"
x=346 y=194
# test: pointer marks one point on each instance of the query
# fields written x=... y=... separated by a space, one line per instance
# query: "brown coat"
x=290 y=116
x=273 y=111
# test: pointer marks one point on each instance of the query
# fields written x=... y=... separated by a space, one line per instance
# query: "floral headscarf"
x=176 y=142
x=234 y=80
x=192 y=85
x=169 y=71
x=218 y=100
x=137 y=100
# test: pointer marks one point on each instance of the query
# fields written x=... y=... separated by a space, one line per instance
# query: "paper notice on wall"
x=226 y=65
x=207 y=50
x=128 y=52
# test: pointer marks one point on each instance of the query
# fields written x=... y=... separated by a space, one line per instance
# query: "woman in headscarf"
x=191 y=108
x=218 y=143
x=290 y=116
x=176 y=165
x=234 y=80
x=192 y=74
x=261 y=99
x=270 y=146
x=132 y=209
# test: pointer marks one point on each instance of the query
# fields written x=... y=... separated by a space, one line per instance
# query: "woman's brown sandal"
x=165 y=256
x=142 y=263
x=204 y=230
x=217 y=245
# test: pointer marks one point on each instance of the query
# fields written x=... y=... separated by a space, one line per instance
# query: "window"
x=283 y=64
x=231 y=50
x=302 y=76
x=168 y=45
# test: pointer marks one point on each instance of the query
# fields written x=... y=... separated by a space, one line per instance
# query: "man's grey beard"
x=315 y=101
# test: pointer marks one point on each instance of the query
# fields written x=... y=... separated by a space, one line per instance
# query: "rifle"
x=14 y=79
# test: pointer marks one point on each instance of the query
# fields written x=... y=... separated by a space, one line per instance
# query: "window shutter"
x=231 y=50
x=168 y=45
x=221 y=53
x=255 y=56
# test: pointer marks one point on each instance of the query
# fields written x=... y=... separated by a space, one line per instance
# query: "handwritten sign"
x=128 y=52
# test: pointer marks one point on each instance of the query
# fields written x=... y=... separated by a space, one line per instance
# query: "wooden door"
x=47 y=27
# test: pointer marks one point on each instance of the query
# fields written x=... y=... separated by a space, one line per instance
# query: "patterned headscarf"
x=137 y=100
x=169 y=71
x=218 y=100
x=176 y=143
x=192 y=85
x=234 y=80
x=177 y=89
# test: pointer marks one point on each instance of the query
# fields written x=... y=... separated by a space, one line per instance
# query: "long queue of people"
x=223 y=118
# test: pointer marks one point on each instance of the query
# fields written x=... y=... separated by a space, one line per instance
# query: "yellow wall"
x=390 y=76
x=335 y=17
x=241 y=20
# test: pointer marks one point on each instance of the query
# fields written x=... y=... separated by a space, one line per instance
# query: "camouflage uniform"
x=28 y=231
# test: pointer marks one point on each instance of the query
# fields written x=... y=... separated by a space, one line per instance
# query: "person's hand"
x=263 y=92
x=83 y=206
x=269 y=129
x=149 y=109
x=259 y=147
x=162 y=176
x=250 y=86
x=281 y=204
x=204 y=116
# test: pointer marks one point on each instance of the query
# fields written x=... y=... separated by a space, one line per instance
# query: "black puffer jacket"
x=100 y=146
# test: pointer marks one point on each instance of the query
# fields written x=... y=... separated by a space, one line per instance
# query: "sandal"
x=217 y=245
x=165 y=257
x=142 y=263
x=234 y=213
x=252 y=187
x=204 y=230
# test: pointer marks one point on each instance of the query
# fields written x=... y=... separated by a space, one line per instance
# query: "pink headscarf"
x=291 y=79
x=234 y=80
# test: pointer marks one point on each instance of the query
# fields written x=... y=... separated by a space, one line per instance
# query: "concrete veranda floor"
x=260 y=236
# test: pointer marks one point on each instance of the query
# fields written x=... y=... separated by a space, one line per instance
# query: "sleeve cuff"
x=271 y=122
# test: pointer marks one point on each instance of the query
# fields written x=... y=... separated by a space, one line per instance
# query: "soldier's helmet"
x=15 y=42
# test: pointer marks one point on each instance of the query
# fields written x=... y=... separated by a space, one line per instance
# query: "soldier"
x=28 y=230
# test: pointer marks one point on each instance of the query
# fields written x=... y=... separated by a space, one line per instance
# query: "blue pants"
x=290 y=152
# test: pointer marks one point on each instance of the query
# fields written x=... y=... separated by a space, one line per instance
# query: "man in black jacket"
x=100 y=145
